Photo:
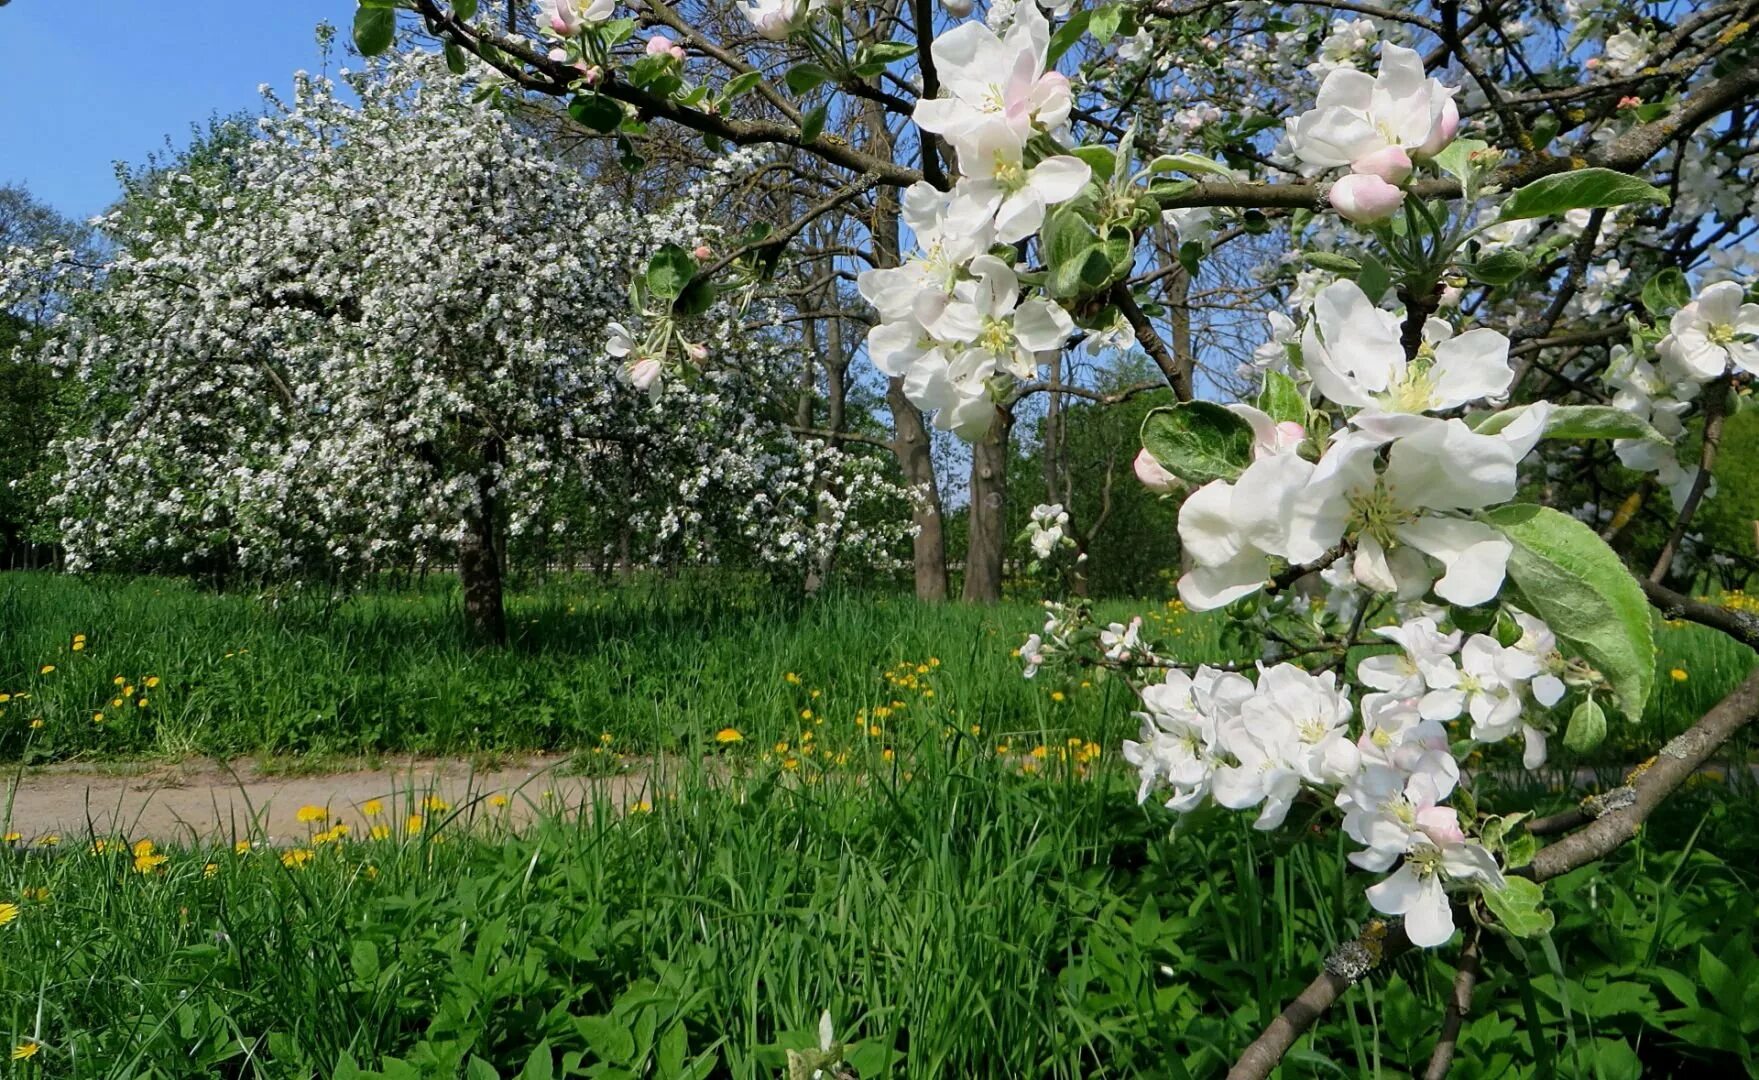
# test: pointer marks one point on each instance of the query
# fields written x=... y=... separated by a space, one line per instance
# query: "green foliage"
x=1566 y=575
x=1198 y=441
x=1579 y=189
x=1574 y=422
x=374 y=28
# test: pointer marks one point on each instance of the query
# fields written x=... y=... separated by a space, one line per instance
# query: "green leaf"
x=1066 y=236
x=1337 y=264
x=870 y=60
x=1574 y=422
x=1100 y=159
x=1498 y=268
x=374 y=27
x=1188 y=163
x=740 y=84
x=1667 y=291
x=697 y=297
x=1120 y=249
x=605 y=1037
x=541 y=1065
x=455 y=62
x=1519 y=850
x=1374 y=278
x=464 y=9
x=803 y=78
x=1587 y=727
x=1453 y=160
x=1066 y=36
x=1580 y=189
x=1544 y=130
x=669 y=270
x=1572 y=580
x=1282 y=399
x=811 y=125
x=1198 y=441
x=1105 y=22
x=478 y=1069
x=596 y=111
x=1520 y=906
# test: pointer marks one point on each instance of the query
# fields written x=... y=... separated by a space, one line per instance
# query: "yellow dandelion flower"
x=642 y=807
x=309 y=815
x=46 y=669
x=39 y=895
x=928 y=693
x=381 y=832
x=210 y=869
x=8 y=912
x=78 y=646
x=977 y=729
x=605 y=738
x=1057 y=695
x=790 y=763
x=414 y=824
x=728 y=735
x=782 y=746
x=791 y=679
x=874 y=731
x=48 y=840
x=934 y=661
x=296 y=858
x=128 y=691
x=100 y=845
x=97 y=718
x=37 y=723
x=815 y=694
x=887 y=754
x=806 y=714
x=372 y=807
x=12 y=837
x=1678 y=675
x=116 y=703
x=26 y=1050
x=242 y=847
x=435 y=804
x=1002 y=747
x=152 y=681
x=497 y=800
x=118 y=680
x=142 y=703
x=4 y=698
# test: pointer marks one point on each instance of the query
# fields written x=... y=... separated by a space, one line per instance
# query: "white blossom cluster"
x=1214 y=735
x=393 y=302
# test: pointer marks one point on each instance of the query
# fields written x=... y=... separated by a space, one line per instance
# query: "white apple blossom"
x=1416 y=890
x=1716 y=329
x=1357 y=115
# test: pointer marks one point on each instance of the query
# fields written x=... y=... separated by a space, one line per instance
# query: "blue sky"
x=77 y=95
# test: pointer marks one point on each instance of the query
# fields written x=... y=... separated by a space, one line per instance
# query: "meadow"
x=946 y=857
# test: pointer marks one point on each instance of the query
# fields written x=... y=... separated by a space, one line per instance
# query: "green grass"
x=968 y=921
x=657 y=666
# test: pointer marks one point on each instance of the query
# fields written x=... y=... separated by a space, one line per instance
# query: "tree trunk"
x=479 y=561
x=989 y=504
x=1053 y=422
x=836 y=364
x=910 y=443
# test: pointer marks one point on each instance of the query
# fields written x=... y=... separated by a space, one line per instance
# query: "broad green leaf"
x=478 y=1069
x=1120 y=249
x=803 y=78
x=1066 y=236
x=1574 y=422
x=1498 y=268
x=374 y=27
x=1520 y=906
x=1587 y=727
x=1100 y=159
x=1198 y=441
x=455 y=61
x=1667 y=291
x=1067 y=35
x=1337 y=264
x=1282 y=399
x=1188 y=163
x=669 y=270
x=1105 y=22
x=1453 y=160
x=1374 y=279
x=596 y=111
x=605 y=1037
x=1579 y=189
x=1568 y=577
x=464 y=9
x=811 y=125
x=870 y=60
x=541 y=1065
x=697 y=297
x=740 y=84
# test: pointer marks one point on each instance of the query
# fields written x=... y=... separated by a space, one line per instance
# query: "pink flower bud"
x=1591 y=63
x=593 y=75
x=1153 y=477
x=1446 y=127
x=1451 y=295
x=1630 y=101
x=659 y=45
x=560 y=56
x=1391 y=164
x=1365 y=198
x=701 y=253
x=677 y=53
x=696 y=352
x=644 y=372
x=1442 y=825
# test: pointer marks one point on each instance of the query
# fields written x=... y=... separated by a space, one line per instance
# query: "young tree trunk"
x=910 y=443
x=479 y=563
x=836 y=365
x=989 y=504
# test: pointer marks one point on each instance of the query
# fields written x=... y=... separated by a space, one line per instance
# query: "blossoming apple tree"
x=377 y=338
x=1509 y=252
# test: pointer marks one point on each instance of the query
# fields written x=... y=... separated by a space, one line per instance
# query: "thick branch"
x=1715 y=405
x=1459 y=1006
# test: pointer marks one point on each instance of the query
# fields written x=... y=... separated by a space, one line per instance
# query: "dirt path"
x=227 y=801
